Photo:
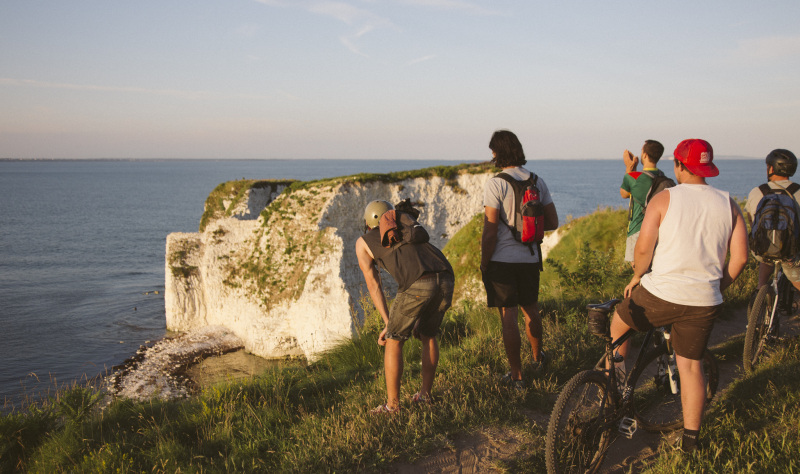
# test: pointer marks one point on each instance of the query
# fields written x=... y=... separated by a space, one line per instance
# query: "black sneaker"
x=516 y=384
x=541 y=364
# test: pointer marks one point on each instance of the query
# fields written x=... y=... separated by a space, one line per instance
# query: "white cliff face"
x=287 y=281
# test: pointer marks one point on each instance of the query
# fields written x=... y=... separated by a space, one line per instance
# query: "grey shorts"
x=630 y=244
x=426 y=301
x=790 y=269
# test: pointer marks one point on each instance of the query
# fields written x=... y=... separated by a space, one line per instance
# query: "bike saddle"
x=603 y=307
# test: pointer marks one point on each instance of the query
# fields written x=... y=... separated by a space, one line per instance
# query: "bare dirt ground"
x=480 y=451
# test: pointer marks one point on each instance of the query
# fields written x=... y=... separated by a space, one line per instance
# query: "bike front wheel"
x=655 y=405
x=755 y=337
x=579 y=431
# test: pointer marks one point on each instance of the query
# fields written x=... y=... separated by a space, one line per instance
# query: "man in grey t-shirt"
x=781 y=165
x=510 y=269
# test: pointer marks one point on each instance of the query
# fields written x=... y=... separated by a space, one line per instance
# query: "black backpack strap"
x=514 y=183
x=652 y=181
x=790 y=190
x=517 y=197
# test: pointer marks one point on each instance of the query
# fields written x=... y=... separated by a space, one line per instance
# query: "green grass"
x=754 y=427
x=232 y=192
x=314 y=418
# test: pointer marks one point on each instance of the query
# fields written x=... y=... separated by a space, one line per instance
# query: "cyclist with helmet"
x=425 y=282
x=781 y=165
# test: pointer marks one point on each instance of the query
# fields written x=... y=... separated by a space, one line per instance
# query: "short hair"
x=653 y=149
x=683 y=167
x=507 y=149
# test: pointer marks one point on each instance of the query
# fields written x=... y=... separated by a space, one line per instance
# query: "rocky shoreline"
x=160 y=370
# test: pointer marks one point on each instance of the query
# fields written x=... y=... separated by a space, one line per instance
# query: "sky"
x=394 y=79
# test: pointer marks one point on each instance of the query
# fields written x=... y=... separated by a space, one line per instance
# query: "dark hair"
x=683 y=167
x=653 y=149
x=507 y=148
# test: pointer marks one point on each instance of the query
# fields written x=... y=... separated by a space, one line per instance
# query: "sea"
x=82 y=246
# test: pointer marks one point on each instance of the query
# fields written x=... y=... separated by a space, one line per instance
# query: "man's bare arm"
x=491 y=220
x=371 y=276
x=737 y=248
x=550 y=217
x=631 y=162
x=648 y=237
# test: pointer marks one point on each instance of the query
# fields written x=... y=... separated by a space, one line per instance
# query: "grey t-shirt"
x=755 y=196
x=499 y=194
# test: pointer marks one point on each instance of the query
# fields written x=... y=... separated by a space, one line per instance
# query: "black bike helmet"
x=783 y=162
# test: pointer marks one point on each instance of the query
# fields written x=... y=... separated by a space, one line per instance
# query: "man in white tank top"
x=680 y=270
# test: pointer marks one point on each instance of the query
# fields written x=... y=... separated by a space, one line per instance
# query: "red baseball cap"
x=697 y=155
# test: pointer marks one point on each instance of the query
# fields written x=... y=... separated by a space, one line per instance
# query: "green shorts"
x=426 y=301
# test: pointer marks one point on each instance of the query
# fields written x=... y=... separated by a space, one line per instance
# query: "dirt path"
x=480 y=451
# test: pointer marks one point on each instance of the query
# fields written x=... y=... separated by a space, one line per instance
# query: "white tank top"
x=692 y=245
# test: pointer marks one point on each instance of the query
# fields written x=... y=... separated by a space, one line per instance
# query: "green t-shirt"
x=638 y=185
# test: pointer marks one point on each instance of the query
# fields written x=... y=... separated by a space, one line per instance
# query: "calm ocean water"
x=82 y=246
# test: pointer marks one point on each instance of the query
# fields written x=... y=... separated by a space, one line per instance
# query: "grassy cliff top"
x=233 y=192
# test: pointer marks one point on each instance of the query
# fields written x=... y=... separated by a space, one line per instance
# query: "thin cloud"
x=364 y=21
x=420 y=60
x=453 y=5
x=348 y=43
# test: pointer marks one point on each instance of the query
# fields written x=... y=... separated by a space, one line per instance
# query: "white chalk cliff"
x=278 y=268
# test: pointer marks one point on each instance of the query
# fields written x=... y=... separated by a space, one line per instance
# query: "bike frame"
x=775 y=288
x=622 y=402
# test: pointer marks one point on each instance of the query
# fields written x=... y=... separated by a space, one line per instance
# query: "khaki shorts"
x=426 y=301
x=790 y=269
x=691 y=325
x=630 y=244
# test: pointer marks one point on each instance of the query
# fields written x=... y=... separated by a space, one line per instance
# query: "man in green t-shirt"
x=635 y=186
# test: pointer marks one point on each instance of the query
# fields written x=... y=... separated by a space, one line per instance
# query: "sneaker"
x=384 y=410
x=541 y=364
x=516 y=384
x=419 y=399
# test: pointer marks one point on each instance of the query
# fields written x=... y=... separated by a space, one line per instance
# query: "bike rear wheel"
x=755 y=337
x=579 y=431
x=655 y=406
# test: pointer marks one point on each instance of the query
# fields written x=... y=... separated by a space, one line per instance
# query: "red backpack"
x=528 y=216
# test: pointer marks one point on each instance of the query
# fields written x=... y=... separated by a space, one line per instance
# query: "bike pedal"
x=627 y=427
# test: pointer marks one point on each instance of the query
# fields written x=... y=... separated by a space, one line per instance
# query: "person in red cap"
x=680 y=270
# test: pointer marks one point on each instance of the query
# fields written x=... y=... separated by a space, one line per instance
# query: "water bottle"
x=672 y=366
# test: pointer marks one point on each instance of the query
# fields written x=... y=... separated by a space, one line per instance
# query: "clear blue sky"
x=401 y=79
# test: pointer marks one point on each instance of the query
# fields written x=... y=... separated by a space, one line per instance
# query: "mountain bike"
x=596 y=405
x=763 y=324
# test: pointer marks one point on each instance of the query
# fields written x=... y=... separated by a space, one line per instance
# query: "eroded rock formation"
x=278 y=268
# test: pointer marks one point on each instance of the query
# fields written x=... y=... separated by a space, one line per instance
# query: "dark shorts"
x=691 y=325
x=511 y=284
x=426 y=301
